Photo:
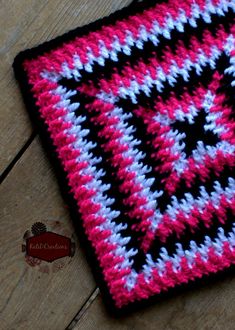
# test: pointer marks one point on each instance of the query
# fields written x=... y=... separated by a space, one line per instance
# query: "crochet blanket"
x=138 y=111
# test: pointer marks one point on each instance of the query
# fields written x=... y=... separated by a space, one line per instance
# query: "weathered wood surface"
x=211 y=307
x=29 y=193
x=31 y=299
x=24 y=24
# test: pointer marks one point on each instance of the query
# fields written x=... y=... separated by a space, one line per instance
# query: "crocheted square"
x=139 y=109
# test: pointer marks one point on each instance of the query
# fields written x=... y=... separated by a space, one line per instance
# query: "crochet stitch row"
x=121 y=105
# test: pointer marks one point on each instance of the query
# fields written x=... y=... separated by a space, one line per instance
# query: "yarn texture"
x=139 y=110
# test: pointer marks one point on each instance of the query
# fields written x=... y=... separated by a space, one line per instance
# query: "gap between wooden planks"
x=24 y=24
x=207 y=308
x=29 y=299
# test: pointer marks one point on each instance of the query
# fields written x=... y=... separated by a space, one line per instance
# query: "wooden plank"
x=30 y=299
x=24 y=24
x=84 y=308
x=210 y=307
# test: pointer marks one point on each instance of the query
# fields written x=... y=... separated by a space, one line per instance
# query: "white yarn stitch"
x=100 y=197
x=143 y=36
x=190 y=253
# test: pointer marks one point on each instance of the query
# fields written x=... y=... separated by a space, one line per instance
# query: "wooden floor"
x=29 y=193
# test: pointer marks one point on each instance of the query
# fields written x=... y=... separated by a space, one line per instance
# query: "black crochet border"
x=47 y=143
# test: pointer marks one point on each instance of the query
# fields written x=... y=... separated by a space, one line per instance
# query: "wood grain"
x=33 y=300
x=207 y=308
x=24 y=24
x=30 y=299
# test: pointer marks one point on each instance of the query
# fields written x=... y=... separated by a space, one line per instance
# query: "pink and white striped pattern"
x=148 y=77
